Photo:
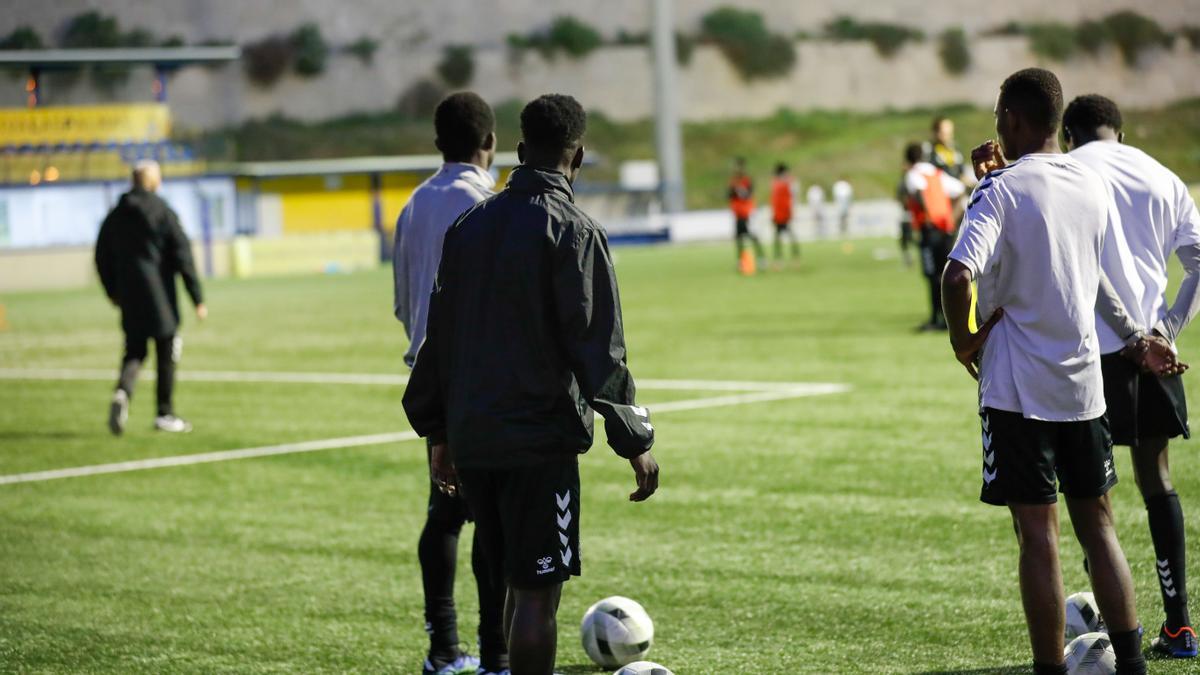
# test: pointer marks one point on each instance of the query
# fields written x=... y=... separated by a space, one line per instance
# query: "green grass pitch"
x=835 y=533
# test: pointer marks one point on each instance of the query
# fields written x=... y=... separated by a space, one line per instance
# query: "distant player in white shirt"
x=1157 y=217
x=1031 y=239
x=843 y=196
x=816 y=204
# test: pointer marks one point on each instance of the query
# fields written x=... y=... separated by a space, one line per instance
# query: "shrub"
x=1133 y=33
x=173 y=41
x=1092 y=36
x=420 y=99
x=624 y=37
x=744 y=39
x=888 y=38
x=268 y=59
x=1192 y=33
x=364 y=48
x=572 y=36
x=1054 y=41
x=309 y=50
x=457 y=65
x=952 y=48
x=684 y=46
x=23 y=37
x=91 y=29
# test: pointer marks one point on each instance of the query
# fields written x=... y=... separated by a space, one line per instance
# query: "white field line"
x=91 y=374
x=797 y=390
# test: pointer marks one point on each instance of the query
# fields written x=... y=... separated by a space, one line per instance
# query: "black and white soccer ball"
x=1091 y=654
x=1083 y=616
x=643 y=668
x=617 y=631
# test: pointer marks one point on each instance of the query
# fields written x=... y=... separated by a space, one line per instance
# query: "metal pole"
x=666 y=102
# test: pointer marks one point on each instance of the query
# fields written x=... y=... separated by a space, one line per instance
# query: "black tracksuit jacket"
x=524 y=336
x=140 y=249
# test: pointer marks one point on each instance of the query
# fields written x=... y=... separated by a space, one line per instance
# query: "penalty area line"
x=797 y=390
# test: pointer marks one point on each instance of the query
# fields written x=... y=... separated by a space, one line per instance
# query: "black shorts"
x=442 y=507
x=1141 y=405
x=782 y=227
x=742 y=226
x=528 y=517
x=1023 y=457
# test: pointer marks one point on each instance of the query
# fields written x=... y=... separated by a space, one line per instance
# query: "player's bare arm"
x=956 y=303
x=645 y=469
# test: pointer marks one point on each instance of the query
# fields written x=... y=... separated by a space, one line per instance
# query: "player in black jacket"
x=140 y=249
x=524 y=341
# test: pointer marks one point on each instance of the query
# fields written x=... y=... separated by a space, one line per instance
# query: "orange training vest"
x=938 y=211
x=742 y=206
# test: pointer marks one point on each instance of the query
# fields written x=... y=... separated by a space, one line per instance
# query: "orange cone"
x=746 y=263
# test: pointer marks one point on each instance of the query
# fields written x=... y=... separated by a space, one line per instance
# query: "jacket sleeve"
x=105 y=263
x=424 y=397
x=589 y=315
x=181 y=252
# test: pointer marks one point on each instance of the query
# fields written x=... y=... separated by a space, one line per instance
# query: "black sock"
x=437 y=551
x=493 y=650
x=1128 y=647
x=1170 y=553
x=1049 y=668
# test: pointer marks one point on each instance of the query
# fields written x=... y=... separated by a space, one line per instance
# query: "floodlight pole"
x=668 y=137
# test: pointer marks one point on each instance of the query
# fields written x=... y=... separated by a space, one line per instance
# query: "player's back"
x=1150 y=202
x=1033 y=235
x=511 y=391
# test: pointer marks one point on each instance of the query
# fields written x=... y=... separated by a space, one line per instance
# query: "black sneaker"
x=1180 y=644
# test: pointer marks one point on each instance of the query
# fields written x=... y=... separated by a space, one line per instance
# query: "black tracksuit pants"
x=166 y=352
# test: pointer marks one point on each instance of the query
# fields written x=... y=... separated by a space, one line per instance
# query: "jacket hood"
x=530 y=179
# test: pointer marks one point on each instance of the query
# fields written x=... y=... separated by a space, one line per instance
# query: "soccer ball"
x=643 y=668
x=1091 y=654
x=617 y=631
x=1083 y=616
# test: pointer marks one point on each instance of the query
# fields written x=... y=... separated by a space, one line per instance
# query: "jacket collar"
x=468 y=172
x=526 y=178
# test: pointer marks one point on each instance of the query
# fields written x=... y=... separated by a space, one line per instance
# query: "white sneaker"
x=172 y=424
x=118 y=412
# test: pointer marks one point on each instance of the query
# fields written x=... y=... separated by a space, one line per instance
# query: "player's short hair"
x=913 y=153
x=781 y=168
x=1036 y=95
x=462 y=122
x=937 y=123
x=553 y=123
x=1092 y=111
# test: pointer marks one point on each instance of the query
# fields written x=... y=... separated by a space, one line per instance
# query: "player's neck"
x=1046 y=146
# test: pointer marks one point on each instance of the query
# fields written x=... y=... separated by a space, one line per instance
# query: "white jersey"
x=917 y=178
x=1032 y=237
x=1156 y=216
x=843 y=194
x=417 y=251
x=816 y=195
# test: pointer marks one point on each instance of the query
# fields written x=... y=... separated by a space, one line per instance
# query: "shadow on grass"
x=580 y=669
x=993 y=670
x=36 y=435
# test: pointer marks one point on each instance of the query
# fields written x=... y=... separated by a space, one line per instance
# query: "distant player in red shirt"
x=741 y=202
x=783 y=194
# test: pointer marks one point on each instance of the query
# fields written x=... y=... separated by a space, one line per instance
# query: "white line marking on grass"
x=795 y=390
x=208 y=457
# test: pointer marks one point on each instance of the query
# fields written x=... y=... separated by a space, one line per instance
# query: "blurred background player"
x=943 y=154
x=929 y=192
x=1157 y=216
x=783 y=197
x=843 y=196
x=816 y=206
x=906 y=226
x=741 y=202
x=1032 y=241
x=139 y=251
x=524 y=341
x=465 y=128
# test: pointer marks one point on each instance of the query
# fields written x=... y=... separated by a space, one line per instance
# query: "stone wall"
x=614 y=80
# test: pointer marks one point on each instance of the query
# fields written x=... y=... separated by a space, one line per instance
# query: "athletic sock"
x=437 y=551
x=1128 y=648
x=1049 y=668
x=1170 y=553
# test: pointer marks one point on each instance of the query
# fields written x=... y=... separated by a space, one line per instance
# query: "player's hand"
x=1154 y=355
x=441 y=470
x=645 y=469
x=201 y=311
x=987 y=158
x=968 y=353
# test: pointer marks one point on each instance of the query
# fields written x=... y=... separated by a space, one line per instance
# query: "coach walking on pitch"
x=140 y=249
